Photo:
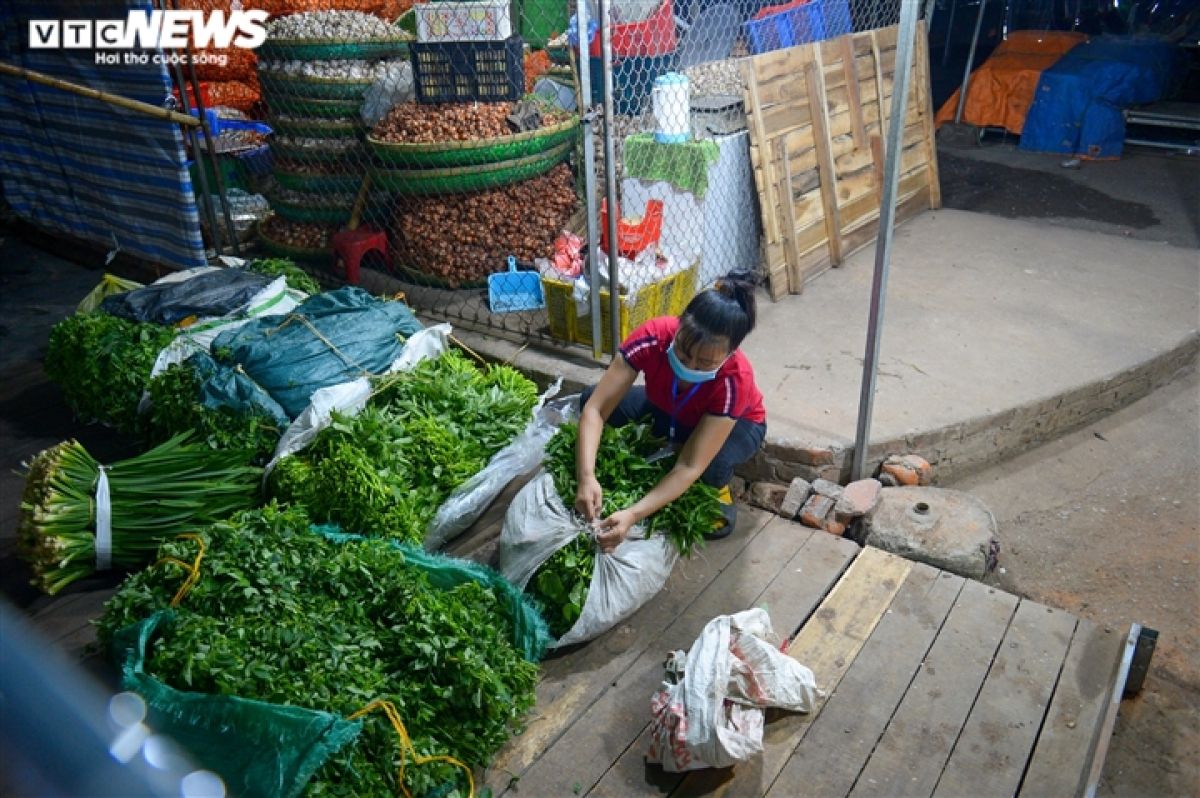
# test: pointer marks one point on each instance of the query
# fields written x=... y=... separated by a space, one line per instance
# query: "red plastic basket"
x=633 y=237
x=655 y=35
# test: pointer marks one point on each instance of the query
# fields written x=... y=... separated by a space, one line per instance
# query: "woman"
x=699 y=394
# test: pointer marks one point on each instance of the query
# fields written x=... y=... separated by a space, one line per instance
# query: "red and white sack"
x=709 y=710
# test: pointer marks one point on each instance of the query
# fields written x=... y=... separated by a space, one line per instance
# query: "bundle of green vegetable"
x=102 y=363
x=287 y=616
x=175 y=407
x=425 y=432
x=166 y=491
x=297 y=278
x=561 y=583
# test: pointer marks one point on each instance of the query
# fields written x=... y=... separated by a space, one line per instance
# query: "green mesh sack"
x=258 y=749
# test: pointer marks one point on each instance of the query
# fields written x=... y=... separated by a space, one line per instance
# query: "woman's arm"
x=701 y=447
x=617 y=380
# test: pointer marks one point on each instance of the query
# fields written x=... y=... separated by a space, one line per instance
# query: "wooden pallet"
x=818 y=115
x=937 y=685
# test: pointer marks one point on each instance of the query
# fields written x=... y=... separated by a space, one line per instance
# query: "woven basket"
x=334 y=184
x=281 y=250
x=279 y=150
x=430 y=281
x=320 y=49
x=469 y=178
x=470 y=153
x=318 y=215
x=313 y=88
x=316 y=128
x=280 y=102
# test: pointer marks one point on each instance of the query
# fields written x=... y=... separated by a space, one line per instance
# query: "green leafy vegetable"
x=284 y=615
x=424 y=433
x=175 y=407
x=297 y=278
x=102 y=363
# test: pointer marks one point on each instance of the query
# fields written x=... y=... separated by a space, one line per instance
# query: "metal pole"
x=962 y=94
x=610 y=178
x=587 y=116
x=949 y=33
x=887 y=218
x=211 y=146
x=193 y=142
x=930 y=7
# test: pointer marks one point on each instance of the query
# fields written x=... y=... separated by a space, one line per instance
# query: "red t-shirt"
x=733 y=393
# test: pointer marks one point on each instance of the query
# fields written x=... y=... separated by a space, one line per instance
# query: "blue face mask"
x=686 y=374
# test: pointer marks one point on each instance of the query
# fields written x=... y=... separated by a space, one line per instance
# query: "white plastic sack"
x=538 y=524
x=712 y=715
x=348 y=398
x=464 y=506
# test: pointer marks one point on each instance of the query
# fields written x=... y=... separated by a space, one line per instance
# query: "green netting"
x=258 y=749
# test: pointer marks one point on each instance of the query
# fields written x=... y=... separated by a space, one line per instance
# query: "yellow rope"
x=406 y=746
x=193 y=568
x=468 y=350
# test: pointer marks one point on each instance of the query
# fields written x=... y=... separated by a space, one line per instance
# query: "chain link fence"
x=442 y=145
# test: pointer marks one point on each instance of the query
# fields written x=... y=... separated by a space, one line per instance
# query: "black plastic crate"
x=466 y=71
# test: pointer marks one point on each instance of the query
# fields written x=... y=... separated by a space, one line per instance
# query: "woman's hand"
x=589 y=498
x=614 y=529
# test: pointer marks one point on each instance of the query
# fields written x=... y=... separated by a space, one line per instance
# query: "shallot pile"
x=463 y=238
x=345 y=26
x=298 y=234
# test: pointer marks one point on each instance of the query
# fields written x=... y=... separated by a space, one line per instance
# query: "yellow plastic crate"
x=667 y=297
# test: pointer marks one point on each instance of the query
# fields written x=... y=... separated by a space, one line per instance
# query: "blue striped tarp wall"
x=81 y=166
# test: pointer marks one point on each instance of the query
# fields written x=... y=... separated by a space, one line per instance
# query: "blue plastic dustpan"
x=515 y=290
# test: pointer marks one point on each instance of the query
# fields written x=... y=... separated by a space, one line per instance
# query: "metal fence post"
x=887 y=218
x=610 y=177
x=586 y=117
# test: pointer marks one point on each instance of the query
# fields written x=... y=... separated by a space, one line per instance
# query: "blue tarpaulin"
x=1077 y=106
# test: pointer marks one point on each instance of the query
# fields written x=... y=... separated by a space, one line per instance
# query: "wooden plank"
x=605 y=732
x=571 y=681
x=833 y=226
x=789 y=599
x=760 y=140
x=927 y=117
x=1116 y=693
x=851 y=76
x=830 y=757
x=884 y=110
x=906 y=208
x=992 y=750
x=828 y=644
x=877 y=167
x=787 y=213
x=920 y=736
x=1067 y=743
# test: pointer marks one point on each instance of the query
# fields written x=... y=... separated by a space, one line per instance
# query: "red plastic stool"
x=349 y=246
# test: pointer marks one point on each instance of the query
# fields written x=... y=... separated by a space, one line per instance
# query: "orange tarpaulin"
x=1001 y=89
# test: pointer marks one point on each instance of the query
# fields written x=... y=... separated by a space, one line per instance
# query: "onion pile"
x=343 y=26
x=462 y=238
x=414 y=123
x=298 y=234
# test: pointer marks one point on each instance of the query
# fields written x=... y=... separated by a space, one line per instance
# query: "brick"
x=816 y=510
x=898 y=470
x=827 y=488
x=767 y=495
x=859 y=498
x=737 y=487
x=921 y=466
x=835 y=527
x=797 y=495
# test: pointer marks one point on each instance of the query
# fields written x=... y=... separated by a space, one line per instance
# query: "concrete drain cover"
x=947 y=529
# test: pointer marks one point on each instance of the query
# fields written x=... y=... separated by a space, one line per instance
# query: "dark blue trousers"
x=742 y=444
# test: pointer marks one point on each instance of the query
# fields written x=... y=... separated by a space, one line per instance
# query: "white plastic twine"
x=103 y=522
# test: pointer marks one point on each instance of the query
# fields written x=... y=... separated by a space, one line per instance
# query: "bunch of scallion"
x=169 y=490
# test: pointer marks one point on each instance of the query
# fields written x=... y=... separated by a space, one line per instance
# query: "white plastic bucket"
x=669 y=99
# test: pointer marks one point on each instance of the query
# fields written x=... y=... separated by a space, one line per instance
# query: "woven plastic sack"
x=109 y=285
x=538 y=524
x=329 y=339
x=709 y=711
x=213 y=293
x=258 y=749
